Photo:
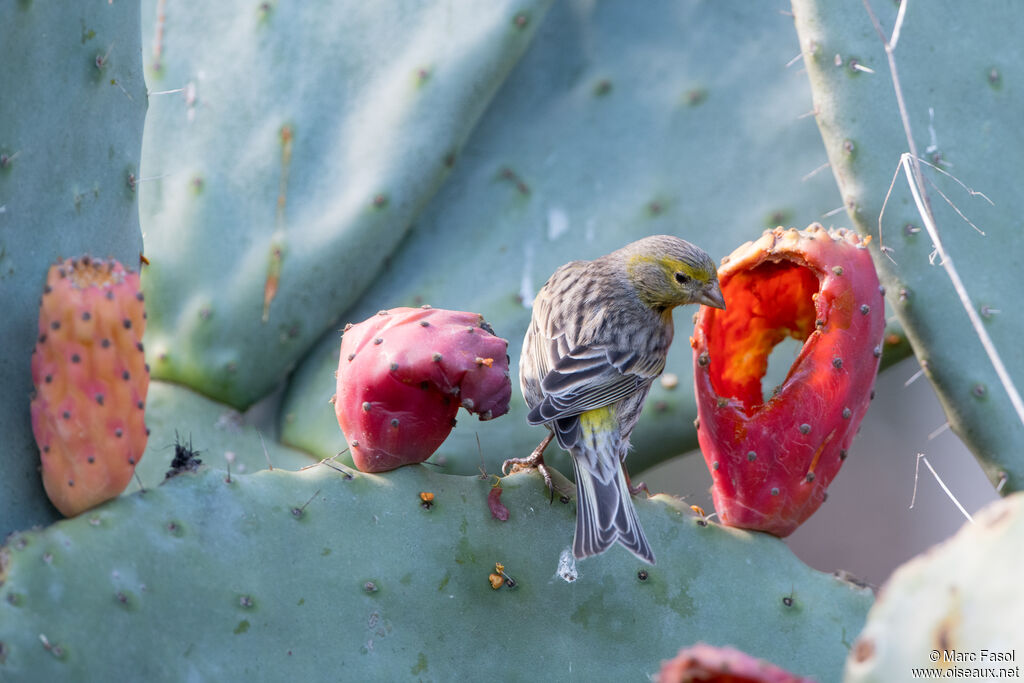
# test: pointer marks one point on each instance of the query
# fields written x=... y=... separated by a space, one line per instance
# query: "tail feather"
x=605 y=514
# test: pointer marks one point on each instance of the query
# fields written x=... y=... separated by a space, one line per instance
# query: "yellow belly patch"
x=598 y=421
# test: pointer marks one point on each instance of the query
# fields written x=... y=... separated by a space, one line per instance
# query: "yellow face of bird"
x=664 y=281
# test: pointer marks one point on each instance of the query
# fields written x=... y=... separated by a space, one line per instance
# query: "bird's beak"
x=711 y=295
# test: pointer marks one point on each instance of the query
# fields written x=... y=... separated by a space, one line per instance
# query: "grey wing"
x=590 y=377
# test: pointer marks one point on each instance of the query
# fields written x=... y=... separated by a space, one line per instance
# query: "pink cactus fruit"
x=404 y=373
x=91 y=379
x=771 y=460
x=708 y=664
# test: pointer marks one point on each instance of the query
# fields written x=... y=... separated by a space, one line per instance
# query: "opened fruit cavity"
x=768 y=303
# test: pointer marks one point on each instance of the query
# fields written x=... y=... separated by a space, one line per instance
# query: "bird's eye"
x=682 y=278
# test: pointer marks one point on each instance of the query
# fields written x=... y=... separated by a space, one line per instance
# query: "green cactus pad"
x=72 y=103
x=304 y=141
x=962 y=596
x=616 y=124
x=323 y=571
x=964 y=107
x=177 y=415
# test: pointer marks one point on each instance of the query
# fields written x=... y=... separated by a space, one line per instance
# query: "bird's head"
x=668 y=272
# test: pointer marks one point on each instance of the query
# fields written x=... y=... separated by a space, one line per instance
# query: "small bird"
x=597 y=341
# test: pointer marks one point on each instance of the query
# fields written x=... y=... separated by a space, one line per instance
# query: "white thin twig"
x=972 y=192
x=955 y=207
x=913 y=378
x=815 y=172
x=895 y=38
x=961 y=292
x=917 y=468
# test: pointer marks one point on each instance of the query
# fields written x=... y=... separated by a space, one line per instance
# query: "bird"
x=598 y=338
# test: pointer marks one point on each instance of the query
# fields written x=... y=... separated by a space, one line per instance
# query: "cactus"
x=963 y=110
x=72 y=102
x=772 y=459
x=943 y=602
x=225 y=438
x=336 y=157
x=588 y=147
x=704 y=663
x=91 y=379
x=356 y=573
x=403 y=375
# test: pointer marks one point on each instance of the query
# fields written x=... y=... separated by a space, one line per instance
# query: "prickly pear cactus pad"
x=304 y=141
x=772 y=458
x=72 y=103
x=615 y=125
x=963 y=103
x=326 y=570
x=961 y=597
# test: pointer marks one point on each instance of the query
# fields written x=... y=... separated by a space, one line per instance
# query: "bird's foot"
x=640 y=486
x=534 y=461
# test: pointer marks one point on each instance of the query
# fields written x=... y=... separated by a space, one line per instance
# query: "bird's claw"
x=513 y=465
x=534 y=461
x=641 y=486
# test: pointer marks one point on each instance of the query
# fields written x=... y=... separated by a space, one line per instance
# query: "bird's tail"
x=604 y=509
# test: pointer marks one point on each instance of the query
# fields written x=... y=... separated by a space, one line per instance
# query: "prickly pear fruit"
x=771 y=461
x=91 y=379
x=402 y=376
x=704 y=663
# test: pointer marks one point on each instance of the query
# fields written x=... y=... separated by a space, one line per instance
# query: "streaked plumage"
x=598 y=338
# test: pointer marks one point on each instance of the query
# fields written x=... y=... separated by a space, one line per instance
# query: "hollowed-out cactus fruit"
x=404 y=373
x=90 y=380
x=771 y=460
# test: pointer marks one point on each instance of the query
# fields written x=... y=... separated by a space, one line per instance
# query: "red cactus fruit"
x=91 y=380
x=771 y=461
x=402 y=376
x=708 y=664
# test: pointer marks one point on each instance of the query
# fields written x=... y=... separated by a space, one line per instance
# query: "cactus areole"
x=771 y=460
x=404 y=373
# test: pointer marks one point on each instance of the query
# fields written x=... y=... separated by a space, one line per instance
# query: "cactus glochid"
x=402 y=375
x=771 y=460
x=90 y=380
